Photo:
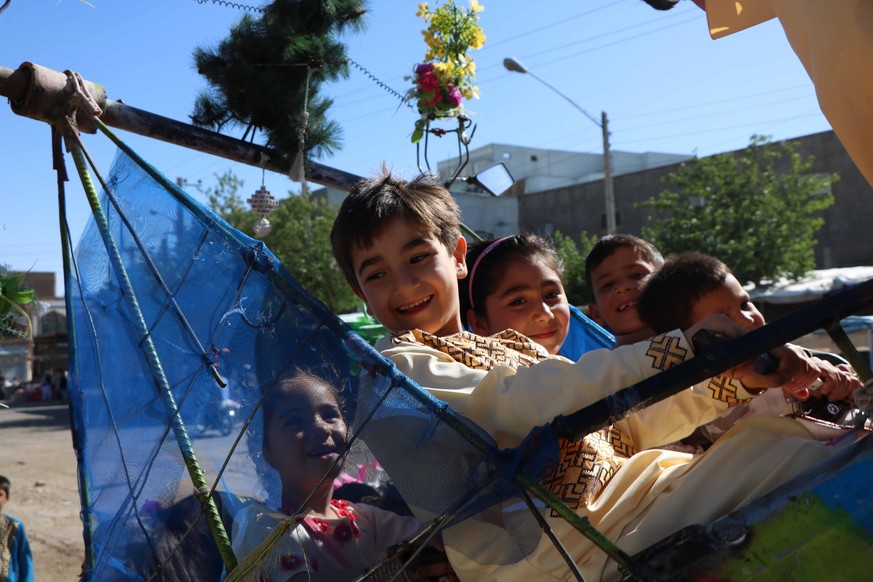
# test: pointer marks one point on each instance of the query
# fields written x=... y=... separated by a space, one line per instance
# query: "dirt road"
x=36 y=454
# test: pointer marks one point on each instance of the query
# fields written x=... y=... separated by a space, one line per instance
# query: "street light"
x=515 y=66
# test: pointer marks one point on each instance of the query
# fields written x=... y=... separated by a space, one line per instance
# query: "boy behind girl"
x=615 y=270
x=400 y=247
x=16 y=562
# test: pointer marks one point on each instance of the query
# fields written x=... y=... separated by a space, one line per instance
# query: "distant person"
x=46 y=387
x=16 y=561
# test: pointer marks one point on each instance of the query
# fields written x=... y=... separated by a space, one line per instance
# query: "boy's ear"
x=460 y=254
x=357 y=291
x=594 y=314
x=477 y=322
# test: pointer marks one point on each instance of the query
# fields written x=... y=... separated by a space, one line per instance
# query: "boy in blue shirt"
x=16 y=562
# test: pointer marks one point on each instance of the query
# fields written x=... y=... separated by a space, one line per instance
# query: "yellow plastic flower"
x=474 y=6
x=471 y=92
x=478 y=40
x=424 y=10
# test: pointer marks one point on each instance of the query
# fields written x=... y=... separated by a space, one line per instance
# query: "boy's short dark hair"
x=668 y=298
x=373 y=203
x=608 y=245
x=5 y=485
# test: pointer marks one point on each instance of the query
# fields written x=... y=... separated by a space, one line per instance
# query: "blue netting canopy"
x=181 y=326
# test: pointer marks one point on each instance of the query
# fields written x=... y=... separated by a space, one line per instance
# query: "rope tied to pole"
x=80 y=98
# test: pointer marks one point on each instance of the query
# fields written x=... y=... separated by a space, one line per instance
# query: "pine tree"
x=258 y=75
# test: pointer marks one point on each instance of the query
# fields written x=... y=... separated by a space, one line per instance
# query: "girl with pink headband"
x=515 y=282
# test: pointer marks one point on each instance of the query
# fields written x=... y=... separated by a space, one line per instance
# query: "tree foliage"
x=757 y=210
x=258 y=75
x=573 y=256
x=300 y=238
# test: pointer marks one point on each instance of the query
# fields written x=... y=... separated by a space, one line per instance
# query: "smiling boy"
x=615 y=270
x=399 y=246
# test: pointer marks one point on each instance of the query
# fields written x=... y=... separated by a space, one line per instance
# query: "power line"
x=707 y=103
x=236 y=5
x=705 y=115
x=548 y=26
x=560 y=47
x=713 y=130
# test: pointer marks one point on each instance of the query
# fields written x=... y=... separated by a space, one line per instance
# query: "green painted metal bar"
x=848 y=349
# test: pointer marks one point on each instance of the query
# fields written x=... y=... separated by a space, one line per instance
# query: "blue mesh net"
x=197 y=305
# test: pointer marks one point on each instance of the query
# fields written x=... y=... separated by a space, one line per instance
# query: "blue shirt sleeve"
x=21 y=560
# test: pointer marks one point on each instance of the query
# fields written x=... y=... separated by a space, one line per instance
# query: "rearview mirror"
x=495 y=180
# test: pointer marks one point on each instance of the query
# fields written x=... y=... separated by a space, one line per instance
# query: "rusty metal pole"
x=39 y=93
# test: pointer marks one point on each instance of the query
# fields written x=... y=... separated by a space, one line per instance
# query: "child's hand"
x=838 y=382
x=795 y=373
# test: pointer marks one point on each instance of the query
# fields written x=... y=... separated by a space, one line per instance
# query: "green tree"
x=757 y=210
x=300 y=238
x=258 y=75
x=573 y=256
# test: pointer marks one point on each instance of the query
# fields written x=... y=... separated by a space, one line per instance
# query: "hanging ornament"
x=263 y=203
x=298 y=169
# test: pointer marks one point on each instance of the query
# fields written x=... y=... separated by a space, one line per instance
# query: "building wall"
x=46 y=347
x=843 y=241
x=543 y=169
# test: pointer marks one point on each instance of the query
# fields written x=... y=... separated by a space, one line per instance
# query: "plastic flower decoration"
x=12 y=298
x=448 y=74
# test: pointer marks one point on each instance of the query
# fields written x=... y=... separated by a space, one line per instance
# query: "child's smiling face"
x=529 y=299
x=304 y=436
x=616 y=283
x=409 y=279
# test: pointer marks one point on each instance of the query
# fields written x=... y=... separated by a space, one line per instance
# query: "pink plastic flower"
x=454 y=97
x=428 y=81
x=424 y=68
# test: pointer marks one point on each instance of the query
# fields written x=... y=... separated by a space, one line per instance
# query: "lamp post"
x=515 y=66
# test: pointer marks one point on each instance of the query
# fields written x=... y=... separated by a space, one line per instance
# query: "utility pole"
x=608 y=193
x=516 y=66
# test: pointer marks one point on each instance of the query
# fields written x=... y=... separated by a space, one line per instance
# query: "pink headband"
x=478 y=260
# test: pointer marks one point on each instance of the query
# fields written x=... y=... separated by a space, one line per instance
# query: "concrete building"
x=842 y=241
x=46 y=348
x=534 y=170
x=563 y=191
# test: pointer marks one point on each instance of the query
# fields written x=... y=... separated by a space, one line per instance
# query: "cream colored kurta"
x=654 y=492
x=834 y=41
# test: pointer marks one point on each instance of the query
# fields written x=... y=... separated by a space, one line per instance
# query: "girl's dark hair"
x=487 y=260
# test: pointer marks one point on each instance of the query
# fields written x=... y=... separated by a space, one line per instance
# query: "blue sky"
x=664 y=83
